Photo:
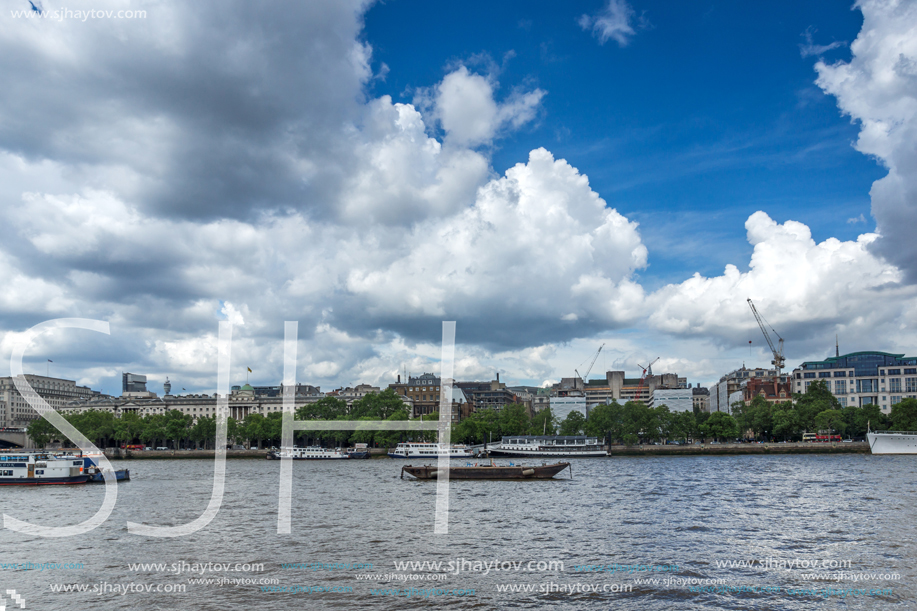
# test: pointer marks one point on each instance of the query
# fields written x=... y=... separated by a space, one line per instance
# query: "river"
x=729 y=532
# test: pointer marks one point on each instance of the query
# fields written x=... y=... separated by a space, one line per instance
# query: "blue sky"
x=373 y=169
x=709 y=113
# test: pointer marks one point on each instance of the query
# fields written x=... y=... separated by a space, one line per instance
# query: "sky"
x=552 y=176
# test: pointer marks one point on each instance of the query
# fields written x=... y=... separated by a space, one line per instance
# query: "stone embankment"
x=716 y=449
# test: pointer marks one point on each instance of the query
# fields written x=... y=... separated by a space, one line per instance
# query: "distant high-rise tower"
x=167 y=387
x=132 y=382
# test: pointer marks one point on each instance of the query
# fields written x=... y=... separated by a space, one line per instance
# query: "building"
x=357 y=392
x=623 y=389
x=676 y=399
x=424 y=392
x=562 y=406
x=722 y=393
x=488 y=395
x=302 y=390
x=862 y=378
x=598 y=392
x=15 y=412
x=771 y=390
x=701 y=398
x=132 y=382
x=243 y=401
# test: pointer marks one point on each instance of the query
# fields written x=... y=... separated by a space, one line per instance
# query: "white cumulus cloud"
x=878 y=88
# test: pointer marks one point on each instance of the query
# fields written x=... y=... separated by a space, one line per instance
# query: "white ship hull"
x=571 y=453
x=429 y=450
x=892 y=443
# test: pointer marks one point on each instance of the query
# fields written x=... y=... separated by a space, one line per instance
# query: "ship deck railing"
x=895 y=432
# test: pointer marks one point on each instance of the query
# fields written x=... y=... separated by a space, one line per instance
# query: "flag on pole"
x=50 y=361
x=249 y=369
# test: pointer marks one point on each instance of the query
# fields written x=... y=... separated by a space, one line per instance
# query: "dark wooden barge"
x=488 y=471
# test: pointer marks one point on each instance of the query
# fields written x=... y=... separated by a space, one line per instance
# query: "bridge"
x=14 y=438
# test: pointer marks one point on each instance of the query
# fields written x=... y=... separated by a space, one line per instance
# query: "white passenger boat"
x=548 y=446
x=892 y=442
x=308 y=453
x=430 y=450
x=37 y=469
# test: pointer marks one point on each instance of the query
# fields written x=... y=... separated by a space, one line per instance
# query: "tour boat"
x=548 y=446
x=309 y=453
x=37 y=469
x=429 y=450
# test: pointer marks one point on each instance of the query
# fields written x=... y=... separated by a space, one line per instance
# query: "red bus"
x=827 y=438
x=131 y=447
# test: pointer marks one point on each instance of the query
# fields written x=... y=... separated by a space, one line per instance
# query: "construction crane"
x=583 y=378
x=646 y=370
x=778 y=351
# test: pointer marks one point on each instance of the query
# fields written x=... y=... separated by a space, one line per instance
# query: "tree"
x=177 y=426
x=831 y=420
x=41 y=432
x=904 y=415
x=254 y=428
x=543 y=423
x=815 y=400
x=204 y=431
x=378 y=406
x=513 y=419
x=785 y=421
x=605 y=421
x=666 y=421
x=128 y=427
x=573 y=424
x=720 y=425
x=635 y=420
x=232 y=430
x=389 y=439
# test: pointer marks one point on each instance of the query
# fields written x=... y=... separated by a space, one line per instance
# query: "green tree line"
x=631 y=423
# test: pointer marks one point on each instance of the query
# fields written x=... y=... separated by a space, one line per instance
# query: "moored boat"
x=38 y=469
x=489 y=471
x=96 y=475
x=548 y=446
x=360 y=450
x=892 y=442
x=309 y=453
x=430 y=450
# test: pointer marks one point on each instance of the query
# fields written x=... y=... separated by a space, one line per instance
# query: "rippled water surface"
x=700 y=517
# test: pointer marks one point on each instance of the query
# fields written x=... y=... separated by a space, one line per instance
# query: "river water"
x=730 y=532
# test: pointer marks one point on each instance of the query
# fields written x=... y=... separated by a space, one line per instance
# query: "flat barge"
x=495 y=472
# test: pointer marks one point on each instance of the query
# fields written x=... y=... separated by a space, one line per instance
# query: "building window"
x=809 y=374
x=910 y=384
x=896 y=399
x=840 y=387
x=867 y=385
x=894 y=385
x=824 y=374
x=894 y=372
x=842 y=401
x=807 y=386
x=910 y=371
x=840 y=374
